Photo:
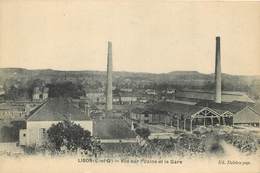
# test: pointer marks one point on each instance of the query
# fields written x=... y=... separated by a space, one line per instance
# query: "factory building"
x=199 y=95
x=53 y=111
x=205 y=107
x=247 y=116
x=181 y=116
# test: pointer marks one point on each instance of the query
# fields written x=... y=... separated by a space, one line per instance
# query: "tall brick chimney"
x=109 y=96
x=218 y=72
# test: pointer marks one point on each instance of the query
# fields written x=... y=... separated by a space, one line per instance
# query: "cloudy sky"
x=147 y=36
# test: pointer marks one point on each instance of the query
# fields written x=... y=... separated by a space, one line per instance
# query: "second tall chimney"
x=218 y=72
x=109 y=96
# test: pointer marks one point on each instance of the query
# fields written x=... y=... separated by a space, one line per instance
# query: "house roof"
x=233 y=107
x=57 y=109
x=247 y=115
x=11 y=107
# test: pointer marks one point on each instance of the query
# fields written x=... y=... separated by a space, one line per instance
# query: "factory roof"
x=139 y=110
x=176 y=109
x=120 y=107
x=247 y=115
x=233 y=107
x=236 y=96
x=227 y=96
x=256 y=107
x=57 y=109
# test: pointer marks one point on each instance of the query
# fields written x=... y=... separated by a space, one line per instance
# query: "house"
x=40 y=94
x=9 y=111
x=150 y=92
x=45 y=93
x=51 y=112
x=143 y=100
x=2 y=91
x=96 y=97
x=16 y=110
x=126 y=98
x=169 y=91
x=36 y=94
x=116 y=99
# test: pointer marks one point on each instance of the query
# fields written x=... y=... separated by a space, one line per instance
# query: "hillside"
x=179 y=78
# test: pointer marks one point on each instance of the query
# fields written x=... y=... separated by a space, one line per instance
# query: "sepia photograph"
x=135 y=86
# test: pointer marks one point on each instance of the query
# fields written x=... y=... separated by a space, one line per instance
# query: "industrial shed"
x=181 y=116
x=199 y=95
x=247 y=116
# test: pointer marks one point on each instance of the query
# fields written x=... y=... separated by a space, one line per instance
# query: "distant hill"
x=192 y=78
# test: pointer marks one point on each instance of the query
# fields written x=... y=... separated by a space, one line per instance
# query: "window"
x=42 y=133
x=24 y=135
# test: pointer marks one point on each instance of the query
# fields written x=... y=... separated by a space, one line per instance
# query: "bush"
x=143 y=132
x=70 y=135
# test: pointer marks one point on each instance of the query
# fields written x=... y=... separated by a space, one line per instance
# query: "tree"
x=66 y=89
x=143 y=132
x=34 y=83
x=70 y=135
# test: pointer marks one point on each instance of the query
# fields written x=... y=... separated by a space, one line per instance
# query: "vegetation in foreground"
x=67 y=137
x=209 y=141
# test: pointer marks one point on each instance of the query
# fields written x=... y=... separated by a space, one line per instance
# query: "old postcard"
x=129 y=86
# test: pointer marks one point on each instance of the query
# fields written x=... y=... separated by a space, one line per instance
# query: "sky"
x=147 y=36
